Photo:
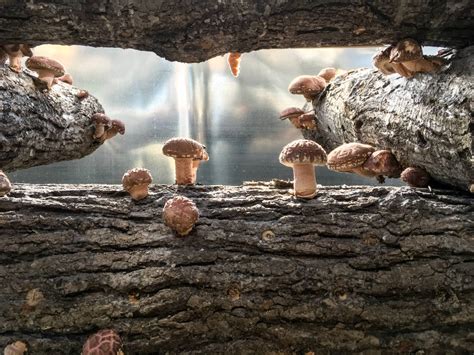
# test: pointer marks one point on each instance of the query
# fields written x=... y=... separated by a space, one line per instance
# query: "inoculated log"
x=355 y=269
x=196 y=30
x=42 y=127
x=426 y=121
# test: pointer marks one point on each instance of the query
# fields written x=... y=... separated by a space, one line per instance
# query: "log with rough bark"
x=426 y=121
x=196 y=30
x=355 y=269
x=42 y=127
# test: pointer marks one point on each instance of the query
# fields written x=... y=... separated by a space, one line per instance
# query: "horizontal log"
x=42 y=127
x=196 y=30
x=426 y=121
x=355 y=269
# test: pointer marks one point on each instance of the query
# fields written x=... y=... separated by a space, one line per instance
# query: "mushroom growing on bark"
x=415 y=177
x=104 y=342
x=184 y=151
x=180 y=214
x=381 y=60
x=328 y=74
x=47 y=69
x=302 y=155
x=383 y=162
x=310 y=86
x=16 y=348
x=292 y=113
x=102 y=123
x=66 y=78
x=116 y=127
x=136 y=181
x=15 y=52
x=234 y=59
x=5 y=184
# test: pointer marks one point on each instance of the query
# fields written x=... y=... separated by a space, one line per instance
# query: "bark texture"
x=196 y=30
x=426 y=121
x=353 y=270
x=39 y=127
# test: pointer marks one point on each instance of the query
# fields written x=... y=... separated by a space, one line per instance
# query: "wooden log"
x=196 y=30
x=42 y=127
x=368 y=269
x=426 y=121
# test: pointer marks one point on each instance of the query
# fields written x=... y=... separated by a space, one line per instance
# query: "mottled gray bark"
x=196 y=30
x=426 y=121
x=355 y=269
x=40 y=127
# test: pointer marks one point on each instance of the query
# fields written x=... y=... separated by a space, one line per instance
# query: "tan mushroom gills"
x=304 y=180
x=184 y=171
x=47 y=76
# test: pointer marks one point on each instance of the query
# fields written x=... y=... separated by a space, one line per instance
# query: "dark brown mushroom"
x=116 y=127
x=415 y=177
x=5 y=184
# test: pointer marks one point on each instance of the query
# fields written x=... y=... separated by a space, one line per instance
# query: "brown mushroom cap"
x=183 y=148
x=328 y=74
x=136 y=176
x=381 y=60
x=105 y=341
x=291 y=112
x=180 y=214
x=383 y=162
x=118 y=126
x=101 y=118
x=349 y=156
x=302 y=151
x=66 y=78
x=406 y=50
x=308 y=85
x=44 y=63
x=415 y=177
x=5 y=184
x=16 y=348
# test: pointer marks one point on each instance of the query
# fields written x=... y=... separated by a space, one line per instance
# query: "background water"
x=236 y=118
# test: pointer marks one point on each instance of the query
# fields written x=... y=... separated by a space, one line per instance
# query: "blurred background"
x=236 y=118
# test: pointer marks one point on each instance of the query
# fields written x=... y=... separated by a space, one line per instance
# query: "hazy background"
x=236 y=118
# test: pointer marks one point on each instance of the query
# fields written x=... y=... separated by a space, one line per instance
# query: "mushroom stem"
x=139 y=192
x=184 y=171
x=304 y=180
x=47 y=76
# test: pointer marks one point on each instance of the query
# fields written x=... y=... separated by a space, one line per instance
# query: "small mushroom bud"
x=234 y=59
x=16 y=348
x=302 y=155
x=82 y=94
x=105 y=341
x=136 y=181
x=310 y=86
x=102 y=123
x=5 y=184
x=184 y=151
x=415 y=177
x=383 y=162
x=47 y=69
x=116 y=127
x=66 y=78
x=180 y=214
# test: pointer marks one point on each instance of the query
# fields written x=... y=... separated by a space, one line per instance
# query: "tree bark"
x=38 y=127
x=196 y=30
x=353 y=270
x=426 y=121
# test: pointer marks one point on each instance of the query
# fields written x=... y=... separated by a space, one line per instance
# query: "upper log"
x=42 y=127
x=357 y=269
x=196 y=30
x=426 y=121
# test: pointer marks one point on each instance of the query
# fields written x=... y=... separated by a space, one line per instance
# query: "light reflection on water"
x=236 y=118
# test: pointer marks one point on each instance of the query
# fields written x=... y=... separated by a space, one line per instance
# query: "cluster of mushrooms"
x=405 y=58
x=105 y=341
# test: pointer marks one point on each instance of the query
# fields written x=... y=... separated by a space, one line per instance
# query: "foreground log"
x=355 y=269
x=193 y=31
x=42 y=127
x=426 y=121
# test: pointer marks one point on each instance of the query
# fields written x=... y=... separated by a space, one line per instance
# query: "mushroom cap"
x=16 y=348
x=105 y=341
x=349 y=156
x=136 y=176
x=119 y=126
x=302 y=151
x=291 y=112
x=5 y=184
x=308 y=85
x=415 y=177
x=383 y=162
x=381 y=60
x=183 y=148
x=406 y=50
x=180 y=213
x=204 y=156
x=100 y=118
x=44 y=63
x=66 y=78
x=328 y=74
